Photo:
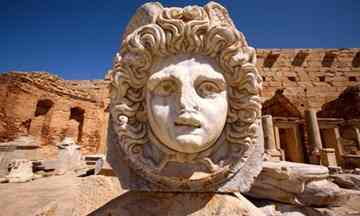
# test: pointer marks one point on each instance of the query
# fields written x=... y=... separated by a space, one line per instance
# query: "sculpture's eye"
x=208 y=89
x=165 y=88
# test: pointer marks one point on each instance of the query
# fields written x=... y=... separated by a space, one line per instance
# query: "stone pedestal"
x=269 y=139
x=69 y=155
x=328 y=157
x=176 y=204
x=314 y=137
x=5 y=157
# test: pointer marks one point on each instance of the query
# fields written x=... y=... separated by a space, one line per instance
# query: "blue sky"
x=76 y=39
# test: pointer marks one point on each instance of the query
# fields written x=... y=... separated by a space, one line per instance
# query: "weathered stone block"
x=21 y=171
x=298 y=184
x=349 y=181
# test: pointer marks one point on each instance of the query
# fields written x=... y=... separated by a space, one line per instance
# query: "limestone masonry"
x=309 y=77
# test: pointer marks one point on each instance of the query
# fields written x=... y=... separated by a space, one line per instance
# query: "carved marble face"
x=187 y=102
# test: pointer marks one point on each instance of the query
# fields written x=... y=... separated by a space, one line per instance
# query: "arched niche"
x=38 y=126
x=77 y=122
x=43 y=107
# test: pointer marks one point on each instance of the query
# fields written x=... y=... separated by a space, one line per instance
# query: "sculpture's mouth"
x=187 y=120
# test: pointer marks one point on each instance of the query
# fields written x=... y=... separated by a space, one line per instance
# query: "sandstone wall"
x=308 y=77
x=49 y=108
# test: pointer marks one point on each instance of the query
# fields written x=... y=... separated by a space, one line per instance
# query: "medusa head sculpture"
x=185 y=103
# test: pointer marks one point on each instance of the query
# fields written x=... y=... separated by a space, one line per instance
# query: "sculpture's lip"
x=186 y=125
x=187 y=120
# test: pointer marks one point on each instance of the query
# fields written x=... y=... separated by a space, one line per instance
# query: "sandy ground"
x=73 y=195
x=24 y=199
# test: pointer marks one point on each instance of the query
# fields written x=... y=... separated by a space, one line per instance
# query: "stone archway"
x=39 y=124
x=43 y=107
x=76 y=123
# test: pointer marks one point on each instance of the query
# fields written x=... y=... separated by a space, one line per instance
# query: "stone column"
x=313 y=131
x=339 y=147
x=269 y=138
x=299 y=150
x=357 y=133
x=277 y=143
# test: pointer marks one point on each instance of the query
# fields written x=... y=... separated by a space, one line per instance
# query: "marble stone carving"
x=185 y=105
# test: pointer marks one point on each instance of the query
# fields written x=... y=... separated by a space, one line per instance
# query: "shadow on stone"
x=176 y=204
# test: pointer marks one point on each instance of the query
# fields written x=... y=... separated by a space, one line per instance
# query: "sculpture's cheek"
x=214 y=112
x=161 y=117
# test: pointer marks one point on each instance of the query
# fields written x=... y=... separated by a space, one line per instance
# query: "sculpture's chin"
x=190 y=143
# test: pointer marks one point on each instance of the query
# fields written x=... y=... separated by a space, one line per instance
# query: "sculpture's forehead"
x=173 y=64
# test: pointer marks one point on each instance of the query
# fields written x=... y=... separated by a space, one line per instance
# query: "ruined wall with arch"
x=48 y=108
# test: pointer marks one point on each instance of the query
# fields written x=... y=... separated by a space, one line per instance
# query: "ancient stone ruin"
x=190 y=120
x=49 y=109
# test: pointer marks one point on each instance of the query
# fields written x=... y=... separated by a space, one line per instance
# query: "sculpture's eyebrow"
x=219 y=80
x=156 y=78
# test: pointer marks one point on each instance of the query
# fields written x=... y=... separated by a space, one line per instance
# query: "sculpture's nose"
x=186 y=100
